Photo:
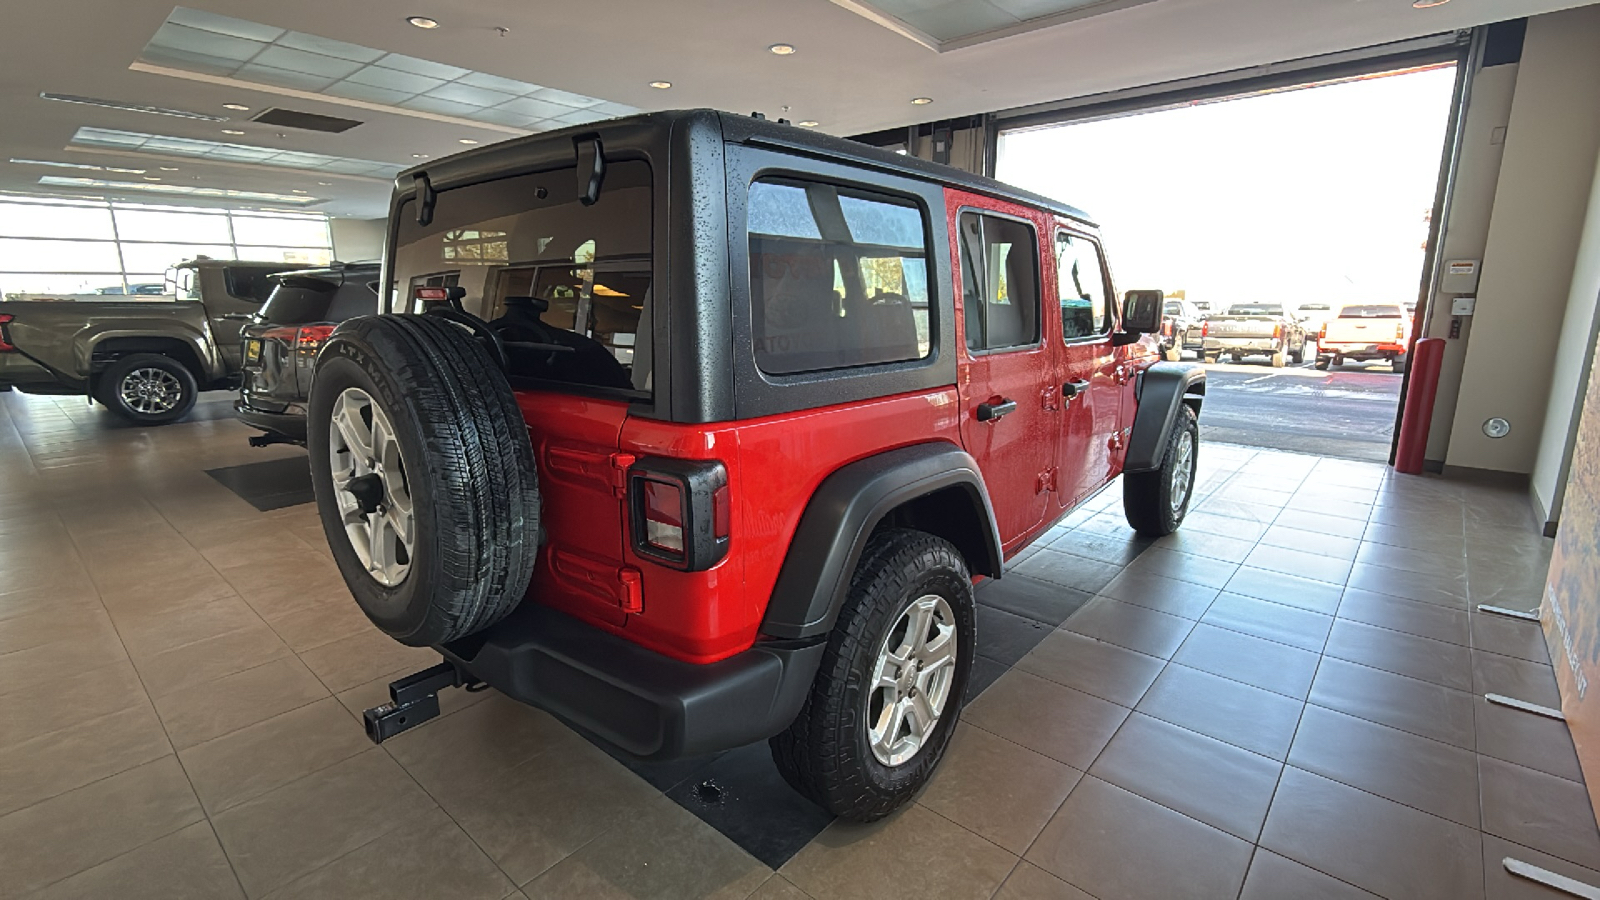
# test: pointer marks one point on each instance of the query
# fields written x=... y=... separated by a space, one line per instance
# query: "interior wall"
x=1466 y=230
x=357 y=239
x=1573 y=361
x=1540 y=206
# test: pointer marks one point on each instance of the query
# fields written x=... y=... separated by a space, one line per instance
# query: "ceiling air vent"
x=289 y=118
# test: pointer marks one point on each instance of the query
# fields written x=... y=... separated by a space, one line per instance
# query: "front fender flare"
x=1163 y=390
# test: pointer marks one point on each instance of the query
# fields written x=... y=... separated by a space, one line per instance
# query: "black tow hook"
x=414 y=699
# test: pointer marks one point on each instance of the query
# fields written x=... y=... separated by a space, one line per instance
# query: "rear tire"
x=830 y=753
x=148 y=389
x=1156 y=502
x=424 y=477
x=1323 y=363
x=1400 y=365
x=1298 y=357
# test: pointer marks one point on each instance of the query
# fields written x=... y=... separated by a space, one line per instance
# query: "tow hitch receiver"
x=414 y=700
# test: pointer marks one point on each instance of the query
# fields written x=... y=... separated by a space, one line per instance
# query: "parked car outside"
x=1255 y=329
x=1365 y=331
x=281 y=342
x=1313 y=316
x=145 y=359
x=1181 y=325
x=693 y=481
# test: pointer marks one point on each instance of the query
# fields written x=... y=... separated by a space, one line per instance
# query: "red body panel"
x=1037 y=462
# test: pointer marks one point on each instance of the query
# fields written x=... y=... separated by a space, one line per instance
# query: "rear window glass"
x=1370 y=312
x=1255 y=309
x=249 y=283
x=297 y=301
x=838 y=277
x=566 y=286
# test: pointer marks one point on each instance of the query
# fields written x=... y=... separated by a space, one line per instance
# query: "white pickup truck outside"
x=1365 y=331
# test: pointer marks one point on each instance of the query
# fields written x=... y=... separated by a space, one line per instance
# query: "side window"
x=1082 y=288
x=999 y=282
x=838 y=277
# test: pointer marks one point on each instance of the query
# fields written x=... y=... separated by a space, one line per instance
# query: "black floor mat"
x=269 y=485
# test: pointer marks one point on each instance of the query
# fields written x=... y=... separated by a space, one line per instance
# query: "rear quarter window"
x=296 y=303
x=1370 y=312
x=838 y=277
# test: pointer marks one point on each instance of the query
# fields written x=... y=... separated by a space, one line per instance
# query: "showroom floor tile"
x=1285 y=699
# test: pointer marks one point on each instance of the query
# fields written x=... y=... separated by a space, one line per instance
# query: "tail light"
x=5 y=339
x=310 y=338
x=681 y=512
x=1400 y=333
x=1322 y=333
x=1205 y=328
x=1277 y=332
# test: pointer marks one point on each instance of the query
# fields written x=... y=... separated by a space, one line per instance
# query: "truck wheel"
x=1399 y=365
x=1323 y=362
x=1298 y=356
x=148 y=389
x=424 y=477
x=892 y=681
x=1156 y=502
x=1211 y=359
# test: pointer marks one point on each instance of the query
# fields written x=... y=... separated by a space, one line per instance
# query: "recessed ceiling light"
x=465 y=141
x=168 y=168
x=782 y=49
x=1426 y=4
x=423 y=21
x=231 y=131
x=921 y=101
x=296 y=191
x=151 y=178
x=661 y=85
x=806 y=123
x=324 y=183
x=419 y=156
x=235 y=106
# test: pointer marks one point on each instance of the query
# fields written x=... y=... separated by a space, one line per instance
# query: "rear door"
x=1091 y=375
x=1010 y=402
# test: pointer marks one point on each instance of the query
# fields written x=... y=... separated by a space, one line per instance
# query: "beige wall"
x=1539 y=211
x=357 y=239
x=1574 y=358
x=1466 y=230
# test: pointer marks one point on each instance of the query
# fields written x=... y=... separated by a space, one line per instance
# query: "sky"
x=1313 y=195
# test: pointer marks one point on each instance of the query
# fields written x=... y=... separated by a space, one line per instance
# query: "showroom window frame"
x=120 y=244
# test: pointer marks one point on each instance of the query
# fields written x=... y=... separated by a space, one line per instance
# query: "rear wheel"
x=1156 y=502
x=424 y=477
x=148 y=389
x=1399 y=365
x=892 y=681
x=1324 y=362
x=1298 y=355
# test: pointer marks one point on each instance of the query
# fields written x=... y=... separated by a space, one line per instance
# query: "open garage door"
x=1290 y=225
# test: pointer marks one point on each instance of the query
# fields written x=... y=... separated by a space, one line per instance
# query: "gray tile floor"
x=1283 y=700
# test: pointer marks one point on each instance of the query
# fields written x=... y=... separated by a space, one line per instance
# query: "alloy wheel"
x=911 y=679
x=150 y=391
x=369 y=481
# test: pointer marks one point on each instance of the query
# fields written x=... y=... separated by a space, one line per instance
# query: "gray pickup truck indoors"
x=145 y=359
x=1255 y=329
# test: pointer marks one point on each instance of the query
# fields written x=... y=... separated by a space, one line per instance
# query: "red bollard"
x=1426 y=357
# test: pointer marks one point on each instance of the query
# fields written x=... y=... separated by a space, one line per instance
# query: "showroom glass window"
x=1081 y=287
x=544 y=269
x=999 y=282
x=838 y=277
x=94 y=246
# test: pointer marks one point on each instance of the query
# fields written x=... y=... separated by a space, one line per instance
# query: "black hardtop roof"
x=743 y=130
x=335 y=273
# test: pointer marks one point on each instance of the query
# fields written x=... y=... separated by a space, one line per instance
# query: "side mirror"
x=1141 y=311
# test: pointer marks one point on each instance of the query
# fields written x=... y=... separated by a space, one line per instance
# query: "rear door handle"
x=988 y=412
x=1074 y=388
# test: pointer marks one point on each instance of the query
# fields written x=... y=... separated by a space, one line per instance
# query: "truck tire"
x=413 y=432
x=148 y=389
x=903 y=644
x=1323 y=362
x=1399 y=365
x=1298 y=356
x=1155 y=502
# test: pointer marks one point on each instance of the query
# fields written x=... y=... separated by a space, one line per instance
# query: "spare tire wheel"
x=424 y=476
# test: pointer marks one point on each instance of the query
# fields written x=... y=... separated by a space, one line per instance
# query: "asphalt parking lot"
x=1346 y=412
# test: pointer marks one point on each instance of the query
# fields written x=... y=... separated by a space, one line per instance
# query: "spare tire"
x=424 y=476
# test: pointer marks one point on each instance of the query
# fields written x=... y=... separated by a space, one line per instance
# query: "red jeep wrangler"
x=696 y=430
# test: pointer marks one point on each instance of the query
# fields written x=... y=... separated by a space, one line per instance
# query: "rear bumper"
x=646 y=704
x=1241 y=345
x=291 y=423
x=1357 y=351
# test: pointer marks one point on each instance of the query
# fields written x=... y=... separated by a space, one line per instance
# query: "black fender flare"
x=850 y=503
x=1163 y=389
